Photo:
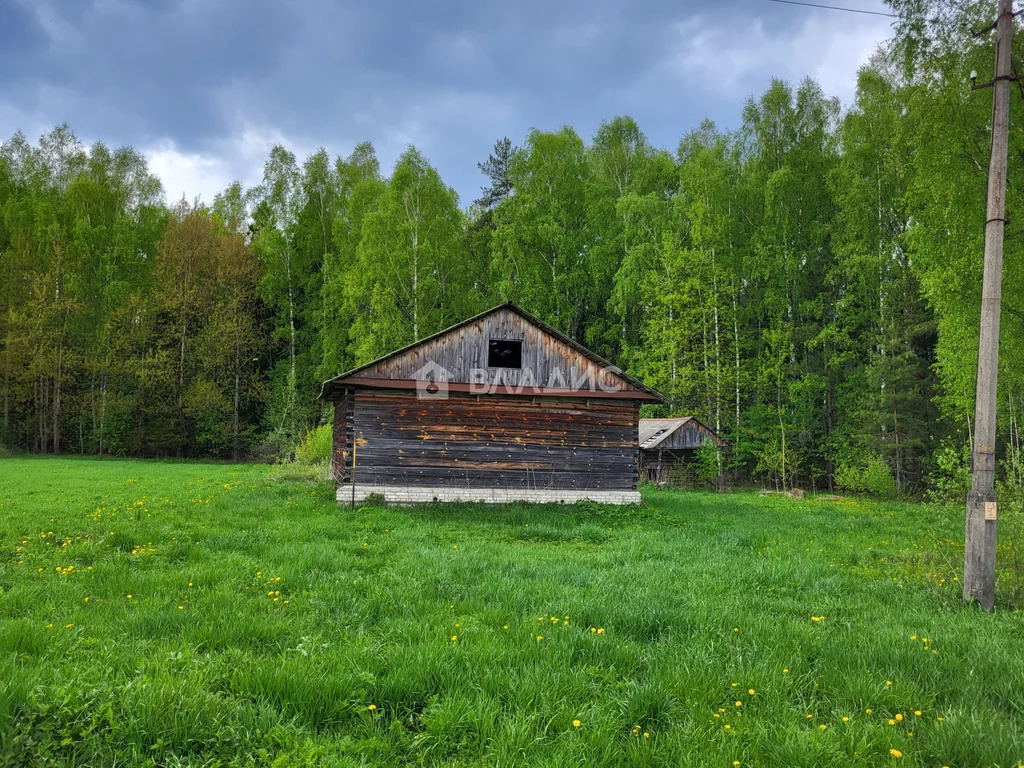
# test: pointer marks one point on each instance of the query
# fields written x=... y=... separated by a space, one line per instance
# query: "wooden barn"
x=500 y=407
x=667 y=448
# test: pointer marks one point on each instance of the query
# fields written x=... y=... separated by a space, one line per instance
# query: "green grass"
x=655 y=622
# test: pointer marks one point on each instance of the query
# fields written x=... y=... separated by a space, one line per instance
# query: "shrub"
x=847 y=477
x=315 y=447
x=274 y=448
x=951 y=478
x=872 y=476
x=877 y=479
x=708 y=463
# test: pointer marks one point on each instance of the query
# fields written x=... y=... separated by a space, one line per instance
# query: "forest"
x=807 y=284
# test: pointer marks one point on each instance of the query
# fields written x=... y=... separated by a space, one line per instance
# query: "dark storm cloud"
x=207 y=87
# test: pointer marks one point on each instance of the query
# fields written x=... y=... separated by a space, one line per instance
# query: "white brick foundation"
x=407 y=494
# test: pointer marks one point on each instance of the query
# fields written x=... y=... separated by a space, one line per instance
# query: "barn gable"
x=503 y=350
x=683 y=433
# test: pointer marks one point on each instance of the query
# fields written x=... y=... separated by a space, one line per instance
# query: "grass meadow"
x=173 y=614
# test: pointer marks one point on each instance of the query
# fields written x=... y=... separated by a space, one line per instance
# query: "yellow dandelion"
x=899 y=718
x=867 y=711
x=940 y=719
x=846 y=719
x=600 y=630
x=751 y=692
x=892 y=722
x=917 y=713
x=822 y=727
x=576 y=723
x=372 y=707
x=888 y=682
x=539 y=638
x=735 y=762
x=505 y=627
x=593 y=629
x=181 y=607
x=785 y=671
x=728 y=727
x=129 y=597
x=739 y=703
x=896 y=753
x=455 y=638
x=647 y=735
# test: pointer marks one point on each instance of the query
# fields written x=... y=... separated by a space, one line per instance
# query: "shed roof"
x=642 y=391
x=655 y=431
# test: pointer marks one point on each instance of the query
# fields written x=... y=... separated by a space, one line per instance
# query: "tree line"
x=808 y=285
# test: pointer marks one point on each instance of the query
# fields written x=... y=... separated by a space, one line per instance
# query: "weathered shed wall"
x=691 y=435
x=547 y=361
x=342 y=443
x=488 y=441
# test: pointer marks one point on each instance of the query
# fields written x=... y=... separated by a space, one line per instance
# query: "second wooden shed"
x=668 y=448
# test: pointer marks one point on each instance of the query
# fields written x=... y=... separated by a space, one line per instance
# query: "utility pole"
x=980 y=532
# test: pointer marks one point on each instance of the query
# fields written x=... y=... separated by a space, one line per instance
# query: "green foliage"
x=950 y=479
x=237 y=678
x=808 y=285
x=708 y=466
x=315 y=447
x=869 y=475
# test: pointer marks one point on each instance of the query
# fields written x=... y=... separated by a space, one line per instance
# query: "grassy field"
x=195 y=614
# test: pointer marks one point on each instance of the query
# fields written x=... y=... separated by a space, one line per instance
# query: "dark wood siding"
x=342 y=437
x=691 y=435
x=453 y=356
x=494 y=441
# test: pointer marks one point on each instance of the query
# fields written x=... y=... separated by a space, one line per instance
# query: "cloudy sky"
x=206 y=87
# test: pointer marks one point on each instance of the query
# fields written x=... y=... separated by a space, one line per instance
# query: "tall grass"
x=267 y=626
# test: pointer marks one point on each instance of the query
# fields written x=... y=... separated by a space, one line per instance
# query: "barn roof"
x=642 y=391
x=653 y=432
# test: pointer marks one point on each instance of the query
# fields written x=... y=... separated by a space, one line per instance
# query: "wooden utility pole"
x=980 y=533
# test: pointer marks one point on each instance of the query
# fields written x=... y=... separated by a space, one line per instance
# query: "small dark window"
x=504 y=353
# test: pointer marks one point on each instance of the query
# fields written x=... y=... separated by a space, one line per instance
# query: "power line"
x=836 y=8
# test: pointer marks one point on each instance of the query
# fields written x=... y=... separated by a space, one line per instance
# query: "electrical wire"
x=836 y=8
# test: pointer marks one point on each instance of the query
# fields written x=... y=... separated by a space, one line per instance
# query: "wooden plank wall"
x=674 y=467
x=689 y=436
x=340 y=459
x=494 y=441
x=547 y=362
